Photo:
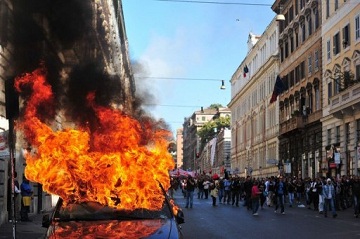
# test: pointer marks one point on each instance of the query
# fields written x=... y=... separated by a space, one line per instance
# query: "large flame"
x=106 y=229
x=111 y=166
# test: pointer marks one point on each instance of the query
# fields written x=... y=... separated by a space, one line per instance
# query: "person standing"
x=255 y=198
x=190 y=187
x=17 y=192
x=26 y=196
x=214 y=193
x=355 y=187
x=247 y=189
x=221 y=189
x=235 y=191
x=227 y=191
x=263 y=194
x=200 y=187
x=320 y=184
x=329 y=196
x=291 y=191
x=206 y=184
x=280 y=191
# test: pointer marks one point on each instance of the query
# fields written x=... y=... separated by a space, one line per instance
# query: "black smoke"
x=42 y=29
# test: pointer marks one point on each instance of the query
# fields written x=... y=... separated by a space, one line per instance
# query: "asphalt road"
x=227 y=221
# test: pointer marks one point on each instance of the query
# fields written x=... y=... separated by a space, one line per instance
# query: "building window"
x=329 y=91
x=302 y=70
x=337 y=134
x=347 y=133
x=357 y=27
x=291 y=13
x=328 y=136
x=336 y=86
x=286 y=48
x=346 y=36
x=336 y=4
x=357 y=72
x=317 y=99
x=296 y=39
x=316 y=65
x=302 y=4
x=317 y=19
x=303 y=32
x=328 y=50
x=309 y=25
x=336 y=44
x=297 y=74
x=327 y=8
x=309 y=65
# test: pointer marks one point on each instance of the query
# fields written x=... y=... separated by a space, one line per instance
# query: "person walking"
x=190 y=187
x=280 y=192
x=329 y=196
x=26 y=196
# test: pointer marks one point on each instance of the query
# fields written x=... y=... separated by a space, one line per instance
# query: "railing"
x=345 y=99
x=314 y=116
x=296 y=122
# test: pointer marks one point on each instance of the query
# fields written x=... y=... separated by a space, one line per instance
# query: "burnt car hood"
x=148 y=228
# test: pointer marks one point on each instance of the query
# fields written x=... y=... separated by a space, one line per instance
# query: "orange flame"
x=112 y=166
x=107 y=229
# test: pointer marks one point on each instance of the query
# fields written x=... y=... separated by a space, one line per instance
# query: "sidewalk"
x=24 y=230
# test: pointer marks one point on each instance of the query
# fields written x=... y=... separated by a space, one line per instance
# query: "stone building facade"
x=254 y=121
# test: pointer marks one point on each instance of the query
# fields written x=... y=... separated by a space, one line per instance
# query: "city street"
x=227 y=221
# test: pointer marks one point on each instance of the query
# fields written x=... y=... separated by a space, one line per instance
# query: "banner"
x=337 y=158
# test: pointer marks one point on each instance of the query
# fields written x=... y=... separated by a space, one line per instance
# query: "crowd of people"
x=321 y=194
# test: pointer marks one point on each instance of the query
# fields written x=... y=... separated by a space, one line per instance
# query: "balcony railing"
x=314 y=116
x=345 y=101
x=295 y=122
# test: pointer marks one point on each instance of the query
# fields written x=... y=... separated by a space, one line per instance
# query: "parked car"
x=93 y=220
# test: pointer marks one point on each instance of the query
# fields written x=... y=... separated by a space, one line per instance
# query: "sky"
x=184 y=49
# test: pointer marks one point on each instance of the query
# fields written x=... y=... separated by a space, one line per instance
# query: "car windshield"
x=89 y=211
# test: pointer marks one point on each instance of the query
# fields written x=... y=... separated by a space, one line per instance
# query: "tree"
x=215 y=106
x=210 y=129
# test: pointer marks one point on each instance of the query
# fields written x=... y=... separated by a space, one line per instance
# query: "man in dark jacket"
x=235 y=190
x=247 y=189
x=190 y=188
x=280 y=192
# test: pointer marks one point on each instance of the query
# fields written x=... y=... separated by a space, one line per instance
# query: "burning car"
x=93 y=220
x=110 y=169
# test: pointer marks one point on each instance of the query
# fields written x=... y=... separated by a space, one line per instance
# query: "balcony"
x=345 y=102
x=315 y=116
x=295 y=122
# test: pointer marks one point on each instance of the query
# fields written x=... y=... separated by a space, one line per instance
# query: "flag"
x=246 y=70
x=279 y=88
